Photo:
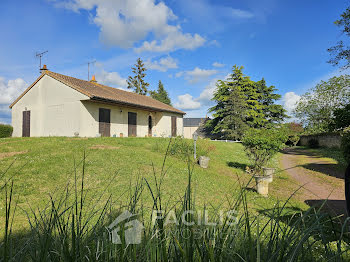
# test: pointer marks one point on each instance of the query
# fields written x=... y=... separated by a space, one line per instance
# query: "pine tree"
x=230 y=112
x=273 y=113
x=243 y=103
x=161 y=94
x=137 y=82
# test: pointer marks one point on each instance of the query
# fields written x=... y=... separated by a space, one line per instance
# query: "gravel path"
x=319 y=178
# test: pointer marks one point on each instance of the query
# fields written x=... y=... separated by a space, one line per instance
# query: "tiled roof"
x=96 y=91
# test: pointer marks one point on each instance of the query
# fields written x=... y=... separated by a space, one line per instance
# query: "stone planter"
x=262 y=184
x=204 y=161
x=269 y=171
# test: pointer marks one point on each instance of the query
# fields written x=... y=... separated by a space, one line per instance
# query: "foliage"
x=137 y=82
x=341 y=118
x=293 y=131
x=293 y=140
x=243 y=103
x=341 y=52
x=161 y=94
x=345 y=143
x=262 y=144
x=229 y=118
x=273 y=113
x=5 y=130
x=316 y=107
x=73 y=227
x=313 y=143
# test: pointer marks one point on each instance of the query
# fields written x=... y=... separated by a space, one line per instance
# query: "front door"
x=104 y=120
x=150 y=125
x=173 y=126
x=132 y=124
x=26 y=124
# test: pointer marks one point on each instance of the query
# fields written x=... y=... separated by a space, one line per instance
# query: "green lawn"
x=43 y=166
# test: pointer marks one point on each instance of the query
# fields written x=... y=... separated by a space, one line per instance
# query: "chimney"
x=44 y=68
x=93 y=79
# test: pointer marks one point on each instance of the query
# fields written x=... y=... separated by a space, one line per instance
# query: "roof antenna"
x=40 y=55
x=88 y=64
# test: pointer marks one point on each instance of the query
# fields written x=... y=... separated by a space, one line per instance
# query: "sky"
x=188 y=45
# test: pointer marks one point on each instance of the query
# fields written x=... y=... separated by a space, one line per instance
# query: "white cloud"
x=125 y=22
x=11 y=90
x=179 y=74
x=242 y=14
x=290 y=100
x=162 y=65
x=186 y=102
x=198 y=74
x=174 y=41
x=217 y=64
x=111 y=78
x=208 y=92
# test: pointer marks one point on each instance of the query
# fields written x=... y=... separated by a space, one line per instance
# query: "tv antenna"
x=40 y=55
x=88 y=64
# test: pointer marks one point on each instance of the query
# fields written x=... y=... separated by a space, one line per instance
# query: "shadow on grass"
x=237 y=165
x=327 y=169
x=335 y=208
x=300 y=220
x=321 y=166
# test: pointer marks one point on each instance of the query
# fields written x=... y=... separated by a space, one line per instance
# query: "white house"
x=59 y=105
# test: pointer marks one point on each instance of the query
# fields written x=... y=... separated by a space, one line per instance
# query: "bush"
x=262 y=144
x=293 y=140
x=345 y=144
x=5 y=130
x=313 y=143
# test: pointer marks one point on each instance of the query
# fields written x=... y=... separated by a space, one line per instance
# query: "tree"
x=342 y=117
x=316 y=108
x=272 y=112
x=341 y=52
x=230 y=112
x=243 y=103
x=137 y=82
x=161 y=94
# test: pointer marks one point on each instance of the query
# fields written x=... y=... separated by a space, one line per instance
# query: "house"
x=192 y=125
x=60 y=105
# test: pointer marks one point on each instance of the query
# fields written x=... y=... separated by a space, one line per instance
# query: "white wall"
x=56 y=110
x=189 y=130
x=119 y=121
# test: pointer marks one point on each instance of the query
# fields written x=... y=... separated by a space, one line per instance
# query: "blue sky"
x=186 y=44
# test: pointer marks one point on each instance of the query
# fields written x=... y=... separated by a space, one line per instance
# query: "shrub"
x=5 y=130
x=293 y=140
x=313 y=143
x=262 y=144
x=345 y=144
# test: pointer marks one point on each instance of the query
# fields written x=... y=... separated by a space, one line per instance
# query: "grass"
x=71 y=226
x=45 y=166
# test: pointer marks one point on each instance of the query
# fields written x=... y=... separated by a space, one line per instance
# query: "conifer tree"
x=161 y=94
x=137 y=82
x=243 y=103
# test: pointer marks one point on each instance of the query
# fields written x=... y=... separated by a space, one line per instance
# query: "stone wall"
x=324 y=140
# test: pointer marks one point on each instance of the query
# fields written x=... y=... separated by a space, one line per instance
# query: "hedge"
x=5 y=130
